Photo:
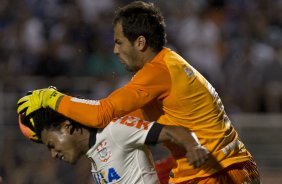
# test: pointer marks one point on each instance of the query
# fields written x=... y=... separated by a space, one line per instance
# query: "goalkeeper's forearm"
x=91 y=113
x=180 y=136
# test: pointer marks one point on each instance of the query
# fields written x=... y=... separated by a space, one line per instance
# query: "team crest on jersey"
x=104 y=153
x=189 y=71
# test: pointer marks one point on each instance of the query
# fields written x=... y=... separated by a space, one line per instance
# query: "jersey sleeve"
x=153 y=135
x=151 y=82
x=132 y=132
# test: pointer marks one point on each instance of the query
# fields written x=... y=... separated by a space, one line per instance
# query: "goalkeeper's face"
x=128 y=53
x=64 y=143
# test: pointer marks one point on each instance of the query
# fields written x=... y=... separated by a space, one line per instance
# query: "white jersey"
x=119 y=154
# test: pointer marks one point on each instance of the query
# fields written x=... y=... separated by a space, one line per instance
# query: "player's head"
x=138 y=26
x=66 y=139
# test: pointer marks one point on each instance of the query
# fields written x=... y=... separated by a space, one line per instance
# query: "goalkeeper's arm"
x=50 y=97
x=196 y=154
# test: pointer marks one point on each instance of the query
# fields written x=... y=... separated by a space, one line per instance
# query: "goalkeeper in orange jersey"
x=168 y=90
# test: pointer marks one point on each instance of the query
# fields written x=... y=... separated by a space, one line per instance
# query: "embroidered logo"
x=104 y=153
x=189 y=71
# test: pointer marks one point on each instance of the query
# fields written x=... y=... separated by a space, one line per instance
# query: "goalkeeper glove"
x=29 y=128
x=47 y=97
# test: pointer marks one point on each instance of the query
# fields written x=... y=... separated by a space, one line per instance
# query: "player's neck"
x=149 y=55
x=92 y=137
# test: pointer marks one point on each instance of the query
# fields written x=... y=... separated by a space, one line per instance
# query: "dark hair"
x=46 y=118
x=141 y=18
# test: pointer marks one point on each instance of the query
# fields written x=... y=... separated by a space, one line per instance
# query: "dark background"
x=236 y=44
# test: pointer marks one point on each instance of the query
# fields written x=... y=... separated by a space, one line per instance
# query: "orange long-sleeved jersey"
x=171 y=92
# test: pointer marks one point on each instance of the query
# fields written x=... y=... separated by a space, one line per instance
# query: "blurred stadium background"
x=236 y=44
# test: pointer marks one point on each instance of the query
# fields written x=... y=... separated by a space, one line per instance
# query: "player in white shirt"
x=118 y=152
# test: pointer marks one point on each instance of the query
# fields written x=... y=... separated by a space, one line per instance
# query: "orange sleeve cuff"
x=64 y=104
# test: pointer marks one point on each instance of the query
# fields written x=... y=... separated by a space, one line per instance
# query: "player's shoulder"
x=130 y=122
x=150 y=73
x=127 y=130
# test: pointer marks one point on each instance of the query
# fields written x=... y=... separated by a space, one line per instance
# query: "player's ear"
x=141 y=43
x=69 y=126
x=66 y=124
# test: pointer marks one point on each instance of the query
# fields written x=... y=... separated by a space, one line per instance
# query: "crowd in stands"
x=236 y=44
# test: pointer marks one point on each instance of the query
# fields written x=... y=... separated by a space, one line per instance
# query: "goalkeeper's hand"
x=197 y=155
x=47 y=97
